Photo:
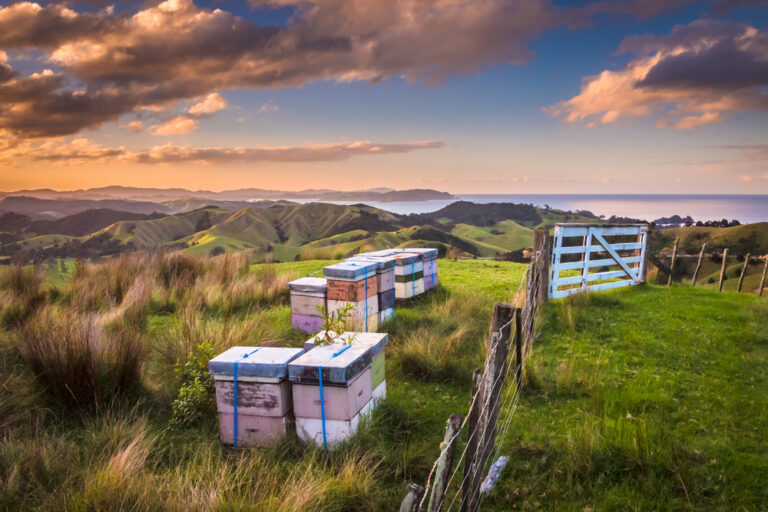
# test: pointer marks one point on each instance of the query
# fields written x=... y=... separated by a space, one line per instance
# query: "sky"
x=464 y=96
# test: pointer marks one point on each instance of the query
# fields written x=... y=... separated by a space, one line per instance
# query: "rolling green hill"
x=284 y=231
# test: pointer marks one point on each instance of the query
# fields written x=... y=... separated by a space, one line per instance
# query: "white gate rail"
x=595 y=252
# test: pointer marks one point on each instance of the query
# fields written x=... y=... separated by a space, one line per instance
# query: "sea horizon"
x=746 y=208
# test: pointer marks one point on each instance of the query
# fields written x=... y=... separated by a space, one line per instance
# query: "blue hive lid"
x=309 y=284
x=383 y=263
x=351 y=270
x=269 y=362
x=365 y=346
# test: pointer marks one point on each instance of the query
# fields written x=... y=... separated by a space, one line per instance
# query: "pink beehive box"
x=262 y=412
x=341 y=402
x=253 y=430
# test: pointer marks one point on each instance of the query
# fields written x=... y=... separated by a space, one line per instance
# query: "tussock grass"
x=79 y=360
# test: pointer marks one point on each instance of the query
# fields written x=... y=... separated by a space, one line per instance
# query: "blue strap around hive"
x=365 y=303
x=235 y=388
x=322 y=397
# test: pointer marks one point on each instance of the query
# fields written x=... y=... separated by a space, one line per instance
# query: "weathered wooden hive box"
x=354 y=283
x=409 y=275
x=262 y=411
x=385 y=271
x=308 y=295
x=353 y=382
x=429 y=264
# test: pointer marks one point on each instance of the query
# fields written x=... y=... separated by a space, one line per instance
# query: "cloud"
x=84 y=151
x=691 y=77
x=268 y=107
x=208 y=105
x=178 y=125
x=110 y=64
x=134 y=126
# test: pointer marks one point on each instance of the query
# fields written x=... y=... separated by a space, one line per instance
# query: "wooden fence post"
x=412 y=499
x=519 y=347
x=762 y=280
x=672 y=263
x=490 y=391
x=473 y=434
x=698 y=264
x=542 y=253
x=722 y=270
x=743 y=271
x=444 y=463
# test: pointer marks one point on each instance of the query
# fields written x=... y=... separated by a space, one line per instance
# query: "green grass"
x=646 y=398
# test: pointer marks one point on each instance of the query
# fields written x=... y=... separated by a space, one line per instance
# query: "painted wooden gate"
x=597 y=257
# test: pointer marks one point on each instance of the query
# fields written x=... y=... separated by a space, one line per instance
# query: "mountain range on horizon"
x=118 y=192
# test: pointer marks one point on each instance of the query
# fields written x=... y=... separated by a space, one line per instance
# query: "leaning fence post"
x=698 y=264
x=413 y=495
x=445 y=462
x=672 y=263
x=762 y=281
x=519 y=347
x=743 y=271
x=473 y=434
x=722 y=270
x=493 y=381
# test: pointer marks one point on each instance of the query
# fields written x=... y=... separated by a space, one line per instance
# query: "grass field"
x=648 y=398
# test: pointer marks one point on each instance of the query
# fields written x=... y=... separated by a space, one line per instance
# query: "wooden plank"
x=587 y=257
x=605 y=231
x=555 y=268
x=722 y=270
x=698 y=264
x=601 y=276
x=642 y=267
x=444 y=463
x=559 y=294
x=743 y=271
x=541 y=244
x=578 y=249
x=621 y=261
x=577 y=265
x=762 y=280
x=674 y=258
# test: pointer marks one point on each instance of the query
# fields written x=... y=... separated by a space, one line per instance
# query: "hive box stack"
x=261 y=413
x=429 y=264
x=308 y=295
x=409 y=275
x=353 y=382
x=354 y=283
x=385 y=271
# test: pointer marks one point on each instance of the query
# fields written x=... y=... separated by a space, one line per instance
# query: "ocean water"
x=744 y=208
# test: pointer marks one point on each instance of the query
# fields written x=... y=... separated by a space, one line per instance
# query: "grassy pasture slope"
x=647 y=398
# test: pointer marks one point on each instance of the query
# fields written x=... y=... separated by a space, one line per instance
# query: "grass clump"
x=80 y=361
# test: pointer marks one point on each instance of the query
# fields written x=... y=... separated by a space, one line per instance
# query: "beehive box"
x=343 y=368
x=386 y=315
x=353 y=291
x=308 y=297
x=264 y=401
x=341 y=402
x=310 y=430
x=362 y=314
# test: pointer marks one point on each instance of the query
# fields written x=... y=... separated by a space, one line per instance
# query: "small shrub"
x=334 y=323
x=197 y=386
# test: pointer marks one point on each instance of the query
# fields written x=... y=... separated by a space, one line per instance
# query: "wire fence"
x=496 y=391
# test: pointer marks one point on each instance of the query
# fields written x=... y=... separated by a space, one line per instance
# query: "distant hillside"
x=58 y=208
x=747 y=238
x=247 y=194
x=281 y=231
x=191 y=203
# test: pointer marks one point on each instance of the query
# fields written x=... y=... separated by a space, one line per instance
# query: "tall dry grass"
x=79 y=359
